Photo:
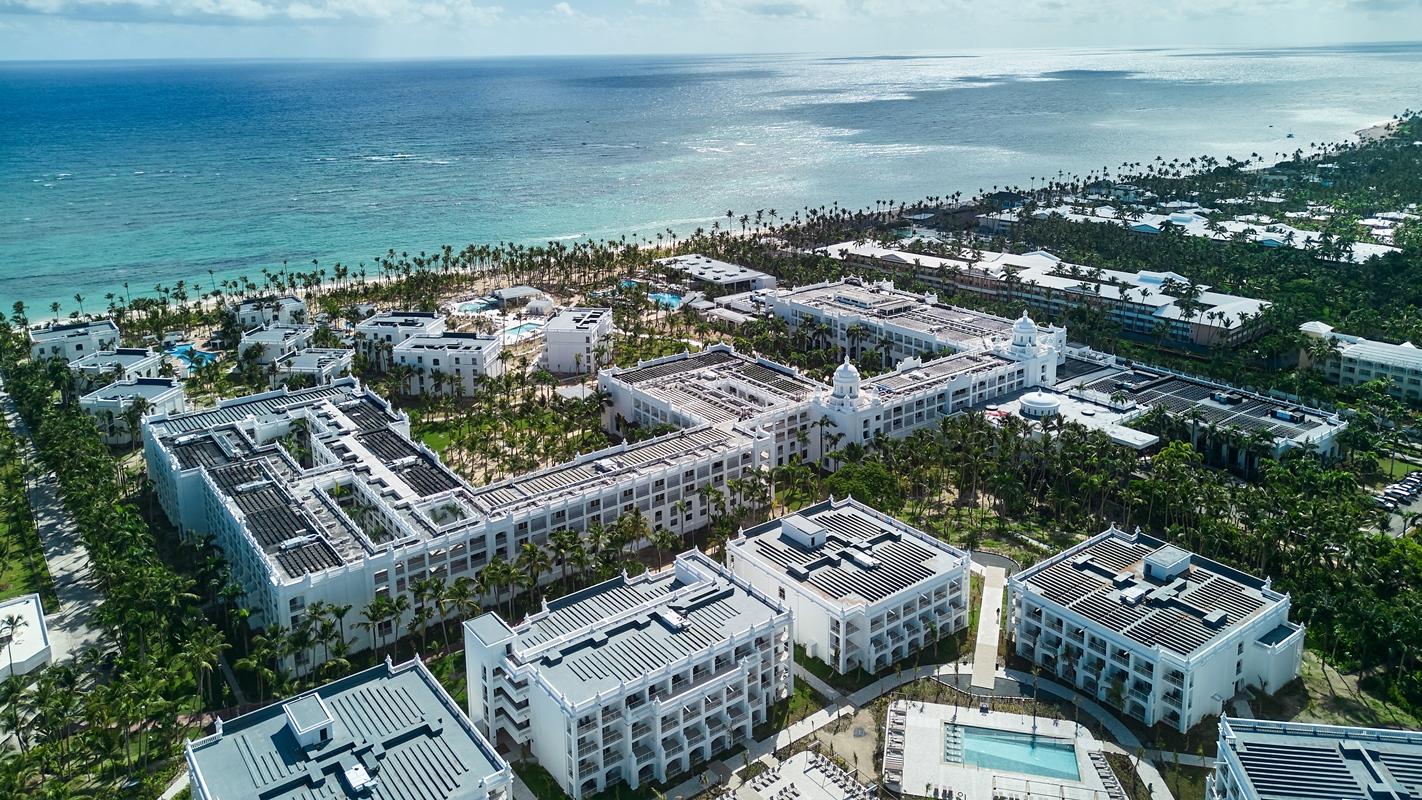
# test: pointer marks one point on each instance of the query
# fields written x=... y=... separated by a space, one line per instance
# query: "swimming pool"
x=1011 y=751
x=476 y=306
x=666 y=299
x=524 y=329
x=191 y=355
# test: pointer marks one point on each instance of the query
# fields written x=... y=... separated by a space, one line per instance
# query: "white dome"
x=846 y=372
x=1039 y=405
x=1024 y=324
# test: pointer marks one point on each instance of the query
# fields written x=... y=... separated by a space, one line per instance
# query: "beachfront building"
x=320 y=495
x=24 y=645
x=1146 y=305
x=861 y=316
x=270 y=310
x=637 y=679
x=1165 y=635
x=272 y=342
x=578 y=340
x=866 y=590
x=1353 y=360
x=312 y=366
x=74 y=340
x=1260 y=759
x=716 y=277
x=460 y=360
x=109 y=406
x=389 y=731
x=377 y=335
x=121 y=363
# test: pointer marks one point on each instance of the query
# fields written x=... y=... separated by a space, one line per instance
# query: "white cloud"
x=564 y=10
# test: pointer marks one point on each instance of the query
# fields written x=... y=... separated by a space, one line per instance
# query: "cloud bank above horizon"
x=83 y=29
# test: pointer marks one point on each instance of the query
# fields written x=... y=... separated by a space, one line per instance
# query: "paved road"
x=71 y=626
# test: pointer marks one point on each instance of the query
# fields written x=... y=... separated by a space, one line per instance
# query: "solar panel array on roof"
x=690 y=364
x=257 y=407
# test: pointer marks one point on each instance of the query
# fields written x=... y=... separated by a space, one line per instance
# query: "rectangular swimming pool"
x=1010 y=751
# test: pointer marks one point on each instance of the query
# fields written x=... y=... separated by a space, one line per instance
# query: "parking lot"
x=1402 y=499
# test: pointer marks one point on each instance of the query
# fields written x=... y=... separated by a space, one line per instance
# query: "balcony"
x=1175 y=679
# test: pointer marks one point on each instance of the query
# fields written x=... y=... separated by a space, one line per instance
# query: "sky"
x=105 y=29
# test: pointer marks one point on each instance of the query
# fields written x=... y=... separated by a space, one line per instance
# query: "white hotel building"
x=575 y=340
x=377 y=335
x=1355 y=360
x=866 y=590
x=367 y=510
x=122 y=363
x=275 y=341
x=261 y=311
x=1167 y=636
x=74 y=340
x=109 y=404
x=463 y=359
x=1266 y=760
x=635 y=679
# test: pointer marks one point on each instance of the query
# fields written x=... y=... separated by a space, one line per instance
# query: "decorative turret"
x=846 y=380
x=1024 y=336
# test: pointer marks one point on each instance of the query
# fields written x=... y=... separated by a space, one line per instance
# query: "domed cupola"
x=846 y=380
x=1024 y=334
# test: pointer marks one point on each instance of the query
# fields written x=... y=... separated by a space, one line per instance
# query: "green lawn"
x=449 y=669
x=22 y=567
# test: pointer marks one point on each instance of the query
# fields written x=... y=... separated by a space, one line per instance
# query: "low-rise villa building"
x=72 y=341
x=122 y=363
x=261 y=311
x=462 y=359
x=577 y=340
x=25 y=647
x=312 y=366
x=377 y=335
x=1260 y=759
x=272 y=342
x=1167 y=636
x=109 y=405
x=389 y=732
x=634 y=679
x=1354 y=360
x=866 y=589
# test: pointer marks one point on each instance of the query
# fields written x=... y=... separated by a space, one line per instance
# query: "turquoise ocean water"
x=155 y=172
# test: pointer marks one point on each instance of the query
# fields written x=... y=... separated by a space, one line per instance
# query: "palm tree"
x=10 y=627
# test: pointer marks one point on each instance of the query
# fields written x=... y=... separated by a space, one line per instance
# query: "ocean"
x=154 y=172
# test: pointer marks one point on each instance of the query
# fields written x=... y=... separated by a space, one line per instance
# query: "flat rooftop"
x=315 y=359
x=450 y=340
x=915 y=376
x=400 y=319
x=918 y=313
x=710 y=270
x=621 y=630
x=1299 y=761
x=577 y=319
x=847 y=552
x=111 y=359
x=68 y=330
x=608 y=468
x=1105 y=580
x=32 y=637
x=718 y=384
x=391 y=726
x=276 y=334
x=149 y=388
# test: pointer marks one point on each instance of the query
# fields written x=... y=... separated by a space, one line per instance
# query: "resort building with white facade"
x=389 y=732
x=1165 y=635
x=1260 y=759
x=312 y=366
x=74 y=340
x=1145 y=304
x=462 y=358
x=1353 y=360
x=866 y=590
x=859 y=316
x=377 y=335
x=109 y=405
x=261 y=311
x=122 y=363
x=637 y=679
x=577 y=340
x=718 y=277
x=319 y=494
x=272 y=342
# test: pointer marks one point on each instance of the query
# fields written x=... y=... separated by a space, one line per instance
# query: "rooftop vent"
x=357 y=778
x=798 y=572
x=672 y=619
x=1288 y=415
x=605 y=465
x=1134 y=595
x=297 y=541
x=251 y=486
x=1217 y=618
x=1123 y=579
x=406 y=461
x=861 y=558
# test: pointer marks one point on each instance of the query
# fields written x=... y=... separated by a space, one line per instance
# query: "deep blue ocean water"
x=155 y=172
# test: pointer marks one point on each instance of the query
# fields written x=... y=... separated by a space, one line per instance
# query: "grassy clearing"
x=22 y=566
x=1328 y=697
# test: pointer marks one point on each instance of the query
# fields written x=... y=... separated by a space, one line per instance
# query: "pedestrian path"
x=71 y=625
x=830 y=693
x=989 y=629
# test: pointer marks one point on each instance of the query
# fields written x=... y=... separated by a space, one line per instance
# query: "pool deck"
x=927 y=773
